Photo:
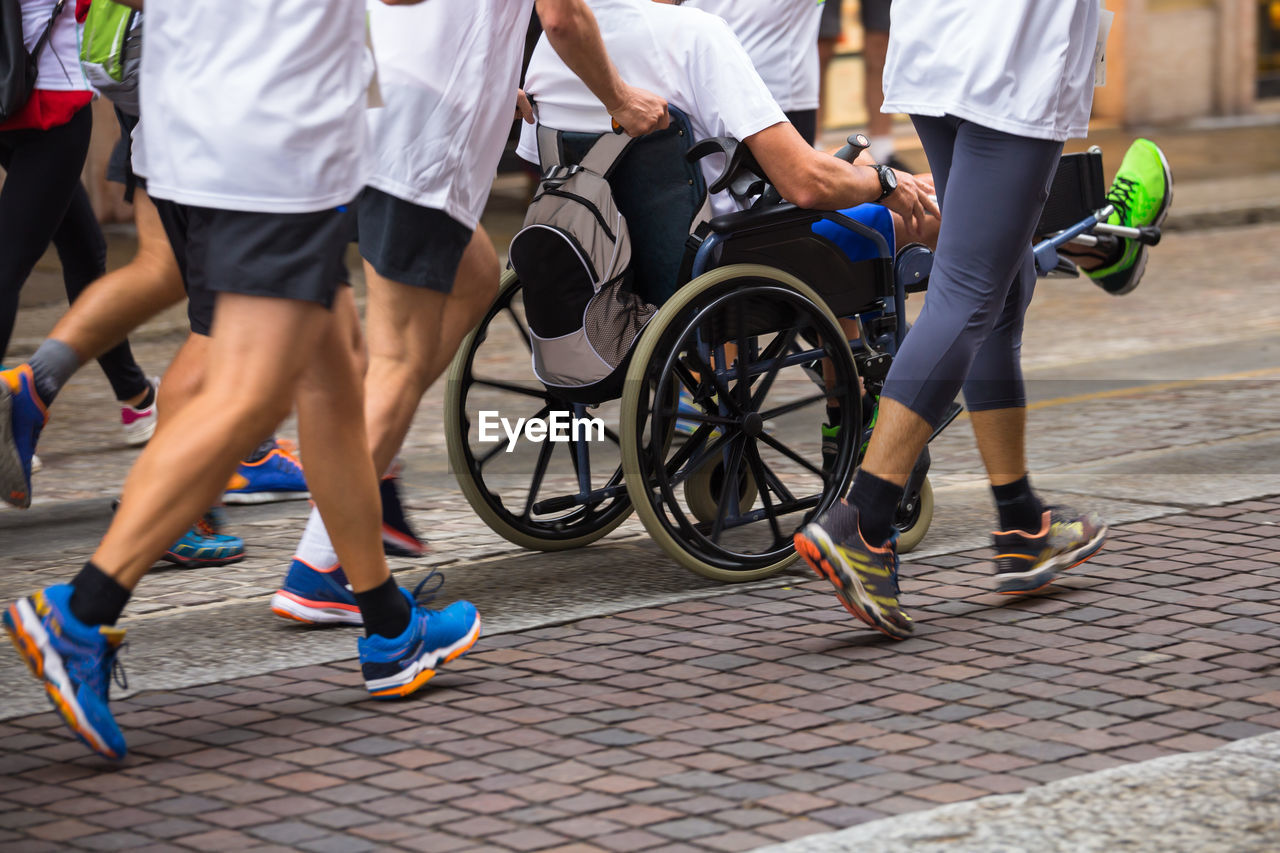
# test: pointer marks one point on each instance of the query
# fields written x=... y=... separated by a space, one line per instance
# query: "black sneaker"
x=865 y=577
x=1026 y=562
x=398 y=538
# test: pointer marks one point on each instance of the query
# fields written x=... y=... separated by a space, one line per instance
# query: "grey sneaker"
x=1026 y=562
x=865 y=577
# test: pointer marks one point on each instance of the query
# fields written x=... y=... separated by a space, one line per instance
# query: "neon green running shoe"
x=1141 y=195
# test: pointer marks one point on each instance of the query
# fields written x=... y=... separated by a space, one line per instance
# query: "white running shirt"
x=58 y=68
x=1020 y=66
x=685 y=55
x=781 y=37
x=448 y=72
x=255 y=106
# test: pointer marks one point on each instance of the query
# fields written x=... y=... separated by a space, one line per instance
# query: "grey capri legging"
x=991 y=187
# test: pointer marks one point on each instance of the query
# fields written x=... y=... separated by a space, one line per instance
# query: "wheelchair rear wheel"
x=738 y=340
x=545 y=496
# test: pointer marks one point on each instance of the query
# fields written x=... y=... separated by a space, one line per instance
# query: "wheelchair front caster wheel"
x=704 y=487
x=915 y=514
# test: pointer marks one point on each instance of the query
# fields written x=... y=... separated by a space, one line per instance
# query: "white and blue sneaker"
x=316 y=596
x=393 y=668
x=75 y=661
x=275 y=476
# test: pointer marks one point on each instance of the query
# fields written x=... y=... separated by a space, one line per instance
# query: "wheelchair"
x=767 y=316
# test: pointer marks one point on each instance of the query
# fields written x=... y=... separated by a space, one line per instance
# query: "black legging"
x=43 y=200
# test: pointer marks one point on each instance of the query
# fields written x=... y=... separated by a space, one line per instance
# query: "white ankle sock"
x=881 y=148
x=315 y=549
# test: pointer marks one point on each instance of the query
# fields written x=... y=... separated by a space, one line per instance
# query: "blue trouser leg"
x=992 y=187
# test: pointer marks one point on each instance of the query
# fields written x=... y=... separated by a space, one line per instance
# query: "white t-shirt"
x=781 y=37
x=254 y=106
x=448 y=72
x=58 y=68
x=685 y=55
x=1020 y=66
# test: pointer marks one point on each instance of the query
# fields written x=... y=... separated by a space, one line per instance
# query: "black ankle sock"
x=876 y=501
x=148 y=399
x=385 y=610
x=1018 y=506
x=96 y=597
x=834 y=417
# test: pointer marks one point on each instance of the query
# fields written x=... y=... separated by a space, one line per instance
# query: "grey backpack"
x=573 y=258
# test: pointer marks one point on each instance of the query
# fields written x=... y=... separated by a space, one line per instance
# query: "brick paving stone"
x=723 y=723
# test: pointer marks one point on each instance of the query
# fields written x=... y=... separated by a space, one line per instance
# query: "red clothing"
x=46 y=108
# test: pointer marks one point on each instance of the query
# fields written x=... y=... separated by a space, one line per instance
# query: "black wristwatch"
x=888 y=181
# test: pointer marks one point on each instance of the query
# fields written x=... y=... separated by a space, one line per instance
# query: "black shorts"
x=875 y=15
x=805 y=121
x=830 y=25
x=281 y=255
x=120 y=165
x=405 y=242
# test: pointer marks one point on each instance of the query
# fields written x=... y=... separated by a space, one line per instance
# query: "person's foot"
x=203 y=546
x=74 y=660
x=1141 y=194
x=139 y=423
x=397 y=667
x=398 y=538
x=276 y=476
x=22 y=415
x=316 y=596
x=865 y=577
x=1026 y=562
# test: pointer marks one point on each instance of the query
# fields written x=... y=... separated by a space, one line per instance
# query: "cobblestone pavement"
x=660 y=710
x=721 y=724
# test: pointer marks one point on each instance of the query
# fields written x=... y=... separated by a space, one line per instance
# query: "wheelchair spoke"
x=502 y=445
x=793 y=406
x=524 y=332
x=539 y=471
x=784 y=342
x=762 y=482
x=728 y=490
x=789 y=453
x=772 y=481
x=705 y=370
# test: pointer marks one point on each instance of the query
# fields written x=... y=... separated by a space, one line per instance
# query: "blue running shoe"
x=686 y=411
x=277 y=476
x=395 y=668
x=203 y=546
x=22 y=416
x=75 y=661
x=316 y=596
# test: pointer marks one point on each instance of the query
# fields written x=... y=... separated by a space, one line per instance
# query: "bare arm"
x=572 y=31
x=812 y=179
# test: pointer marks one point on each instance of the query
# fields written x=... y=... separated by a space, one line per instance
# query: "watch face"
x=889 y=178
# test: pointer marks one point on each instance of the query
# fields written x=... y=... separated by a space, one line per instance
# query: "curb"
x=57 y=512
x=1223 y=216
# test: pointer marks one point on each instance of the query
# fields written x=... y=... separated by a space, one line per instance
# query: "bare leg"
x=1002 y=443
x=259 y=350
x=183 y=379
x=340 y=472
x=413 y=334
x=125 y=298
x=896 y=442
x=826 y=53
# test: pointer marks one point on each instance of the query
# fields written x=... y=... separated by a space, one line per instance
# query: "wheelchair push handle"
x=857 y=143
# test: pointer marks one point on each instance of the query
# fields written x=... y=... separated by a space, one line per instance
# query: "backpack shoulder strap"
x=44 y=36
x=550 y=148
x=604 y=155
